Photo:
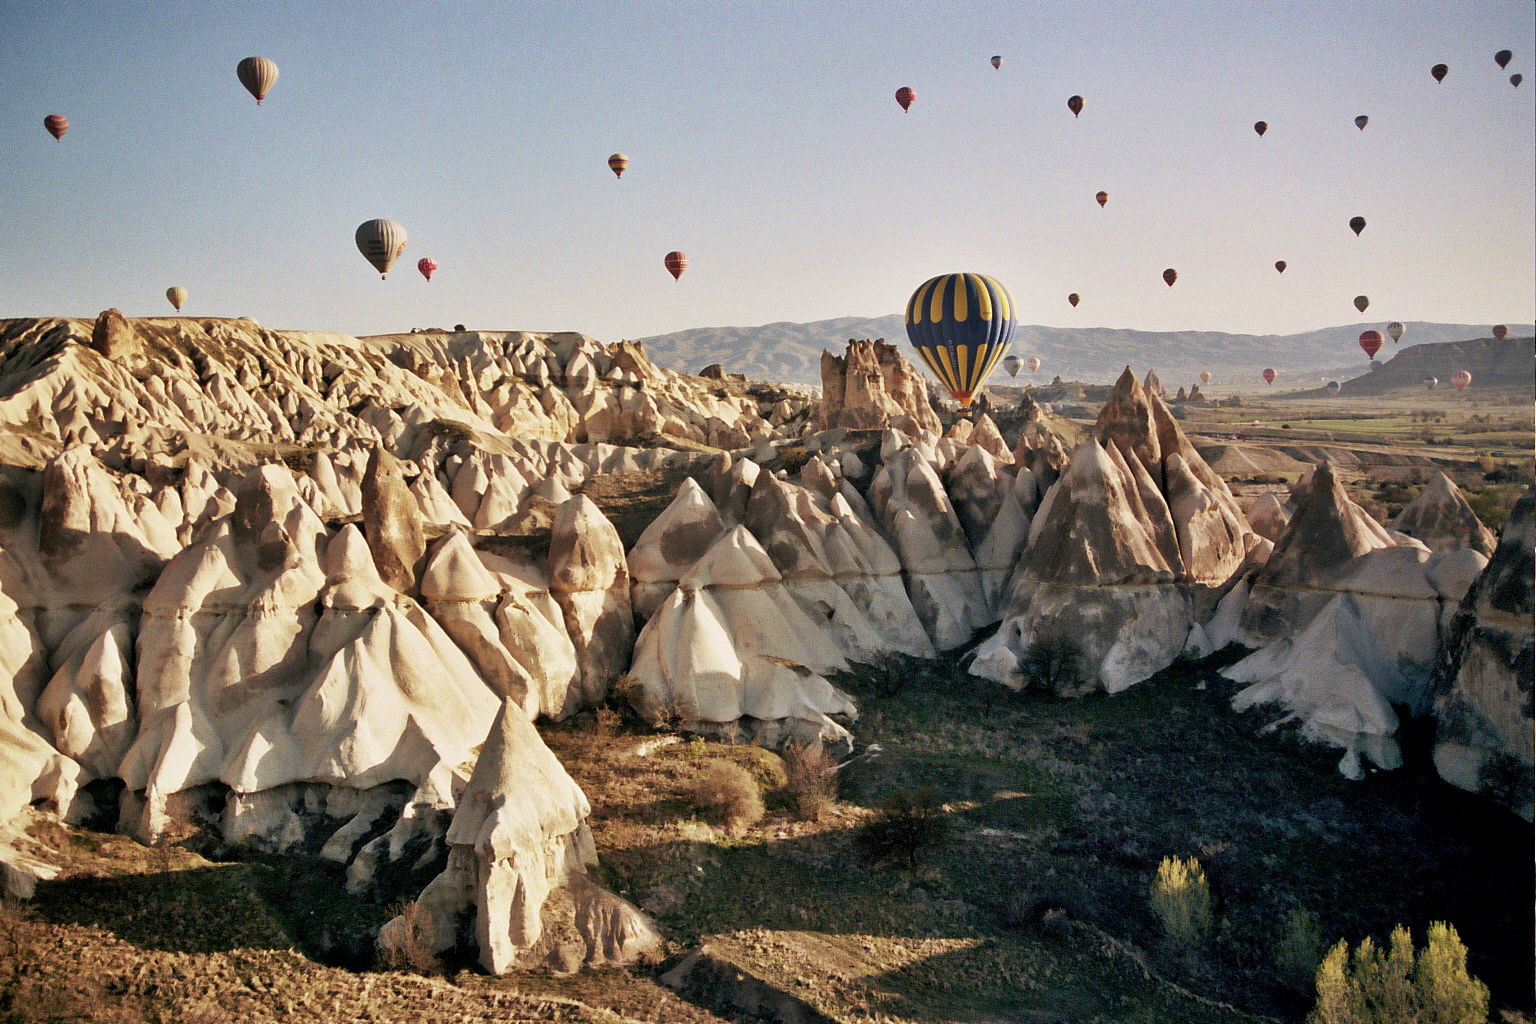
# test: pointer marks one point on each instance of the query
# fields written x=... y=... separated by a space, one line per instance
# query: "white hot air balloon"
x=1013 y=364
x=177 y=295
x=381 y=242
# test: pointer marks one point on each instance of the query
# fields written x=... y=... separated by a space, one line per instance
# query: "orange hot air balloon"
x=1261 y=127
x=1169 y=276
x=1362 y=121
x=1269 y=375
x=997 y=62
x=427 y=265
x=618 y=164
x=1362 y=303
x=676 y=262
x=257 y=74
x=1280 y=266
x=1357 y=225
x=57 y=125
x=905 y=96
x=1460 y=379
x=1075 y=104
x=1033 y=362
x=1103 y=198
x=1073 y=299
x=1371 y=342
x=1502 y=58
x=1500 y=331
x=1439 y=71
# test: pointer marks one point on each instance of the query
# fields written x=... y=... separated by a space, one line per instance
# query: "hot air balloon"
x=257 y=74
x=1515 y=80
x=57 y=125
x=1502 y=58
x=1333 y=387
x=1357 y=225
x=1269 y=375
x=1013 y=364
x=1439 y=71
x=1371 y=342
x=381 y=242
x=1103 y=198
x=1074 y=299
x=1362 y=303
x=1395 y=330
x=427 y=265
x=997 y=62
x=960 y=325
x=1460 y=379
x=1280 y=266
x=1075 y=104
x=1362 y=121
x=1430 y=383
x=1205 y=376
x=177 y=295
x=1169 y=276
x=675 y=262
x=1032 y=363
x=1500 y=331
x=905 y=96
x=618 y=163
x=1261 y=127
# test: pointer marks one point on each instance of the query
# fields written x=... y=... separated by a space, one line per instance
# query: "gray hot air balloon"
x=1430 y=383
x=177 y=295
x=1013 y=364
x=257 y=74
x=381 y=242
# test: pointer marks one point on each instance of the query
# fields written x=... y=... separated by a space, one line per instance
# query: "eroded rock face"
x=872 y=386
x=589 y=579
x=1483 y=680
x=1440 y=518
x=672 y=543
x=391 y=522
x=113 y=335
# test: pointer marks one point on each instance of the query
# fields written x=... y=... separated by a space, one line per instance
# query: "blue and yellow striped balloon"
x=961 y=325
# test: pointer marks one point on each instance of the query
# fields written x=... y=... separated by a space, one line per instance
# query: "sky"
x=765 y=141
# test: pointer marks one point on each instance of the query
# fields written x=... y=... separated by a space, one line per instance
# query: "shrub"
x=909 y=825
x=1298 y=949
x=810 y=780
x=1052 y=663
x=409 y=951
x=727 y=794
x=1181 y=901
x=1396 y=987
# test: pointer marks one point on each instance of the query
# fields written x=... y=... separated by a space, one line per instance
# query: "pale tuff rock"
x=989 y=437
x=873 y=386
x=391 y=522
x=436 y=505
x=519 y=850
x=731 y=653
x=590 y=581
x=976 y=487
x=1440 y=517
x=113 y=335
x=671 y=544
x=1268 y=517
x=30 y=769
x=1484 y=677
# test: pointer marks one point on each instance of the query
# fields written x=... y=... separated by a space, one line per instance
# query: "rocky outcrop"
x=1440 y=518
x=391 y=522
x=112 y=335
x=1483 y=679
x=670 y=545
x=873 y=386
x=589 y=579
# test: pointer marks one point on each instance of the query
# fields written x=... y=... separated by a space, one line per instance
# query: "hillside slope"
x=1502 y=368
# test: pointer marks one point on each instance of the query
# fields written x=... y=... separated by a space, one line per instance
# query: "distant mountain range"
x=792 y=352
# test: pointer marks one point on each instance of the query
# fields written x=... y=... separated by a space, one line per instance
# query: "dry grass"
x=810 y=780
x=727 y=794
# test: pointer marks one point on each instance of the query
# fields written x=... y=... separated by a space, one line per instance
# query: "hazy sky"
x=765 y=141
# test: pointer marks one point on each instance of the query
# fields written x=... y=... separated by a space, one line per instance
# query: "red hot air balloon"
x=1362 y=121
x=1500 y=331
x=1075 y=104
x=1261 y=127
x=1280 y=266
x=997 y=62
x=618 y=164
x=57 y=125
x=1502 y=58
x=1033 y=362
x=1269 y=375
x=1103 y=198
x=1439 y=71
x=1362 y=303
x=1073 y=299
x=1371 y=342
x=1169 y=276
x=676 y=262
x=427 y=265
x=1357 y=225
x=905 y=96
x=1460 y=379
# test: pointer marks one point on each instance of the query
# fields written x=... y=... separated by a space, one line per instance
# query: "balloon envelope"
x=675 y=262
x=1269 y=375
x=1395 y=330
x=177 y=295
x=1502 y=58
x=1169 y=276
x=997 y=62
x=617 y=164
x=1357 y=225
x=381 y=242
x=1439 y=71
x=1515 y=80
x=1430 y=383
x=1362 y=121
x=1013 y=364
x=1102 y=197
x=960 y=325
x=1333 y=387
x=1261 y=127
x=1033 y=363
x=1075 y=104
x=1500 y=331
x=257 y=74
x=57 y=125
x=1074 y=299
x=1460 y=379
x=1280 y=266
x=427 y=265
x=905 y=96
x=1371 y=342
x=1205 y=376
x=1362 y=303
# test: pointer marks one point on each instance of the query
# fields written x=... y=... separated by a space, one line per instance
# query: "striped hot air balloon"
x=675 y=262
x=618 y=164
x=57 y=125
x=960 y=325
x=381 y=242
x=258 y=75
x=176 y=295
x=1460 y=379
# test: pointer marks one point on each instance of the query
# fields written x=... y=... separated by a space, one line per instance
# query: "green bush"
x=1053 y=664
x=910 y=824
x=1181 y=902
x=1298 y=949
x=1397 y=987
